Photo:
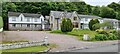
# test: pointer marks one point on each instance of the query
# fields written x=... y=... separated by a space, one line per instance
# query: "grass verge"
x=78 y=33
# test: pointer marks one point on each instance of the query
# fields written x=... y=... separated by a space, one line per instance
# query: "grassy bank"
x=31 y=49
x=77 y=33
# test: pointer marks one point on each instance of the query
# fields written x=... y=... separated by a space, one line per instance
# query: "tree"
x=107 y=12
x=92 y=22
x=118 y=16
x=114 y=6
x=96 y=26
x=69 y=25
x=66 y=25
x=107 y=24
x=96 y=10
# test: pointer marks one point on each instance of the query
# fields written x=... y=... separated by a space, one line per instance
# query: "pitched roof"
x=59 y=14
x=25 y=14
x=108 y=19
x=88 y=16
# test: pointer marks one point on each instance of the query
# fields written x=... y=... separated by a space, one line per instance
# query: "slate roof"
x=25 y=14
x=59 y=14
x=88 y=16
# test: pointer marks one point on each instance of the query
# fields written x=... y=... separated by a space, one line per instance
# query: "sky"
x=100 y=2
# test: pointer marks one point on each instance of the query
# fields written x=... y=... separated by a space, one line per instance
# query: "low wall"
x=20 y=45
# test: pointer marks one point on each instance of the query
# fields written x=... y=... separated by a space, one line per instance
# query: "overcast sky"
x=100 y=2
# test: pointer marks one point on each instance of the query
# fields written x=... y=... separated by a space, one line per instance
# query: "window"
x=21 y=19
x=75 y=25
x=75 y=18
x=21 y=25
x=28 y=25
x=14 y=25
x=86 y=19
x=51 y=18
x=35 y=25
x=13 y=19
x=35 y=20
x=28 y=19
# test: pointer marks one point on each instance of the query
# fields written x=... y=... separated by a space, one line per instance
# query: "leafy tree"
x=96 y=26
x=96 y=10
x=118 y=16
x=107 y=12
x=92 y=22
x=114 y=6
x=66 y=25
x=107 y=24
x=69 y=25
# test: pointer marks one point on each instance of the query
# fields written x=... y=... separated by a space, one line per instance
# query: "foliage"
x=101 y=31
x=78 y=33
x=107 y=12
x=96 y=26
x=100 y=37
x=96 y=10
x=66 y=25
x=118 y=16
x=69 y=25
x=92 y=22
x=1 y=22
x=107 y=24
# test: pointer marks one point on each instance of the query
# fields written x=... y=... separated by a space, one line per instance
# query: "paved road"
x=109 y=48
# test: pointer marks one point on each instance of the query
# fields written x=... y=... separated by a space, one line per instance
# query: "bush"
x=92 y=22
x=101 y=31
x=112 y=37
x=113 y=31
x=101 y=37
x=66 y=25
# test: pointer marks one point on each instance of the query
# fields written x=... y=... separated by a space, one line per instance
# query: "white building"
x=85 y=19
x=25 y=21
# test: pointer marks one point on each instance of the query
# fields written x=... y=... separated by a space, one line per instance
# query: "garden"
x=96 y=31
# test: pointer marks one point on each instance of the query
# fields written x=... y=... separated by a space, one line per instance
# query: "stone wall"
x=20 y=45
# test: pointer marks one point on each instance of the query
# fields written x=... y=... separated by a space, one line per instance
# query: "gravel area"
x=64 y=42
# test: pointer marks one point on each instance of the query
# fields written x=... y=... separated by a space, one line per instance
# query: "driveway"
x=64 y=42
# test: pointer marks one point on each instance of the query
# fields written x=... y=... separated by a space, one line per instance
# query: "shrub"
x=66 y=25
x=113 y=31
x=101 y=31
x=92 y=22
x=63 y=25
x=112 y=37
x=69 y=25
x=101 y=37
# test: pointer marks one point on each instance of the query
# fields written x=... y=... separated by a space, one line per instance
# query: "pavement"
x=63 y=42
x=108 y=48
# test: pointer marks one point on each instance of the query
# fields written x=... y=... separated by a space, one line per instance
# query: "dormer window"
x=75 y=18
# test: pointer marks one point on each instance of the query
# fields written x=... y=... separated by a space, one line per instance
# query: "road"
x=109 y=48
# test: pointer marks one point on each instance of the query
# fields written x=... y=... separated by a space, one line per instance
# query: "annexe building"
x=25 y=21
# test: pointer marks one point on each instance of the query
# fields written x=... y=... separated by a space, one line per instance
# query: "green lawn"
x=78 y=33
x=1 y=22
x=27 y=49
x=31 y=49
